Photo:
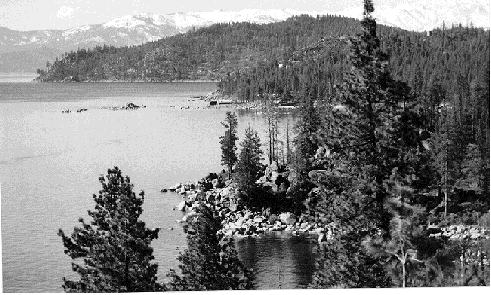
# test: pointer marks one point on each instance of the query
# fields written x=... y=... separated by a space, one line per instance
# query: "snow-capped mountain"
x=424 y=15
x=134 y=29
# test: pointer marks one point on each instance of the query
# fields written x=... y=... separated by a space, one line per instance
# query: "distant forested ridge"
x=204 y=54
x=251 y=60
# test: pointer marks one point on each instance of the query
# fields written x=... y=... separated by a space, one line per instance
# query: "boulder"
x=262 y=180
x=259 y=219
x=182 y=191
x=226 y=191
x=239 y=222
x=192 y=197
x=287 y=218
x=214 y=182
x=229 y=233
x=181 y=206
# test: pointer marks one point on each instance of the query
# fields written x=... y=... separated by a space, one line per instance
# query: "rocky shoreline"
x=222 y=195
x=241 y=223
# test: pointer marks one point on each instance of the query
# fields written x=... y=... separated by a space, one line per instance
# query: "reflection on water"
x=280 y=261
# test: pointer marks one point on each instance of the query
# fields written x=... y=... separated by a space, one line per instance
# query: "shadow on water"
x=280 y=261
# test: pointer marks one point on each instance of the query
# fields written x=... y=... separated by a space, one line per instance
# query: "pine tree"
x=470 y=179
x=249 y=163
x=112 y=253
x=445 y=155
x=271 y=117
x=227 y=142
x=370 y=129
x=306 y=145
x=337 y=203
x=211 y=261
x=405 y=227
x=363 y=121
x=306 y=142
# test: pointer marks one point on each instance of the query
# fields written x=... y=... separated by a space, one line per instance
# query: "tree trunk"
x=404 y=275
x=445 y=201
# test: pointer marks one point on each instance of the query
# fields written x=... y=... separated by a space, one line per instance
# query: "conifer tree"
x=405 y=227
x=271 y=117
x=249 y=163
x=227 y=142
x=112 y=253
x=470 y=179
x=306 y=143
x=369 y=129
x=444 y=159
x=338 y=203
x=210 y=262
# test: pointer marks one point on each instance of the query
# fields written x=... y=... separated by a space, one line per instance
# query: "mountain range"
x=25 y=51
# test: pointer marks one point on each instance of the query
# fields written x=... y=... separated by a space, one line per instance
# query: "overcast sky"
x=65 y=14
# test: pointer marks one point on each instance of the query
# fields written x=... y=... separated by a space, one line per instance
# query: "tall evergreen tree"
x=306 y=145
x=271 y=117
x=249 y=163
x=445 y=154
x=210 y=262
x=227 y=142
x=306 y=142
x=369 y=129
x=112 y=253
x=363 y=120
x=470 y=176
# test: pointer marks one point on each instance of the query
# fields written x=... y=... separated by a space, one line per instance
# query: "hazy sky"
x=65 y=14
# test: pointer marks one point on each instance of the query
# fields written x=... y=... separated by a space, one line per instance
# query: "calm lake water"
x=50 y=163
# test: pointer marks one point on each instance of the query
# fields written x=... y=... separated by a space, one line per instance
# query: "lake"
x=50 y=163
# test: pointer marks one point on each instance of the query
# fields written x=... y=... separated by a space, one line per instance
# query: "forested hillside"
x=203 y=54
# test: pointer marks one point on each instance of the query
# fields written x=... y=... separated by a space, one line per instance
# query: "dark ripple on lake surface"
x=50 y=163
x=280 y=261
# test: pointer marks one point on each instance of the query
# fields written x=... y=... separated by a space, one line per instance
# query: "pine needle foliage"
x=369 y=130
x=112 y=253
x=210 y=262
x=249 y=163
x=227 y=142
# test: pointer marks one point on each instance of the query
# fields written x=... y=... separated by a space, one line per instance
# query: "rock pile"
x=458 y=232
x=239 y=222
x=128 y=106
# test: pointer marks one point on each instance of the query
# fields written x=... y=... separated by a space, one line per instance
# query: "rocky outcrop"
x=459 y=232
x=239 y=222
